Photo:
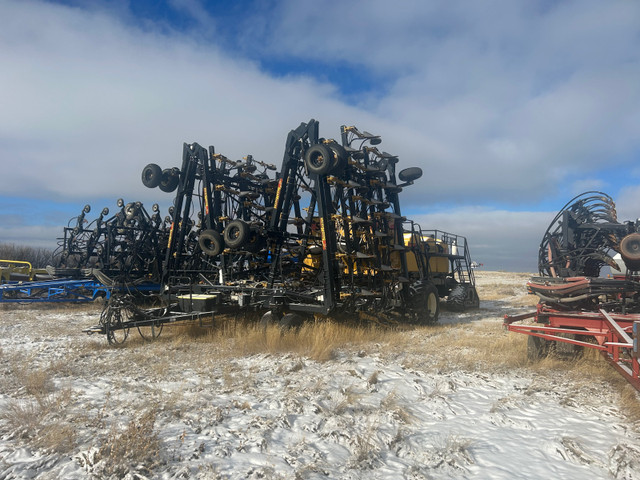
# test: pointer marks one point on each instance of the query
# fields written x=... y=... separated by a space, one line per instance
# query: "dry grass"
x=136 y=446
x=366 y=450
x=630 y=402
x=37 y=382
x=486 y=347
x=37 y=413
x=317 y=340
x=392 y=405
x=41 y=422
x=479 y=346
x=57 y=437
x=26 y=374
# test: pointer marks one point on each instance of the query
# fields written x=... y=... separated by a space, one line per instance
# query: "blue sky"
x=510 y=108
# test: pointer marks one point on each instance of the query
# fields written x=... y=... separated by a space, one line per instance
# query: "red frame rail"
x=615 y=335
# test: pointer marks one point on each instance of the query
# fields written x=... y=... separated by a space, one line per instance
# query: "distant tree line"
x=37 y=257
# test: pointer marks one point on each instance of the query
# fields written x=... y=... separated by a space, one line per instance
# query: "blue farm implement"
x=62 y=290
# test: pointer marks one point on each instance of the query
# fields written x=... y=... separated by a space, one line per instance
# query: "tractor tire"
x=319 y=159
x=564 y=349
x=463 y=297
x=630 y=251
x=169 y=180
x=210 y=242
x=290 y=321
x=236 y=234
x=537 y=348
x=151 y=175
x=340 y=156
x=425 y=303
x=269 y=319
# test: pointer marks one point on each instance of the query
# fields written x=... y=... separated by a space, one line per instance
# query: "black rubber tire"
x=236 y=234
x=210 y=242
x=319 y=160
x=169 y=180
x=425 y=303
x=463 y=297
x=289 y=321
x=537 y=348
x=254 y=242
x=630 y=251
x=268 y=319
x=565 y=349
x=432 y=303
x=151 y=175
x=112 y=320
x=410 y=174
x=130 y=211
x=340 y=156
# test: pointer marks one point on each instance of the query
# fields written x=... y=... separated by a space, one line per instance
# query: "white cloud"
x=628 y=203
x=586 y=184
x=499 y=107
x=498 y=102
x=90 y=102
x=516 y=96
x=500 y=239
x=195 y=10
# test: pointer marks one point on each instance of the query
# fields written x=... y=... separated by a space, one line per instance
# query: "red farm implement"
x=577 y=308
x=614 y=335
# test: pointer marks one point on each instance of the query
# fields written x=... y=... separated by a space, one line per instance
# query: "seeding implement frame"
x=59 y=290
x=64 y=290
x=614 y=335
x=325 y=237
x=314 y=259
x=576 y=305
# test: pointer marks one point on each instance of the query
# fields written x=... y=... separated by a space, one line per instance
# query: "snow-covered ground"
x=72 y=407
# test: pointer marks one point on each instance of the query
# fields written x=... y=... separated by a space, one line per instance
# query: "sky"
x=510 y=108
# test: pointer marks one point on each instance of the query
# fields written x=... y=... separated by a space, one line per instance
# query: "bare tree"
x=38 y=257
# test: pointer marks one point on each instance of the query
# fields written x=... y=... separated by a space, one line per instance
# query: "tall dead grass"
x=482 y=346
x=40 y=421
x=136 y=446
x=317 y=340
x=488 y=348
x=37 y=411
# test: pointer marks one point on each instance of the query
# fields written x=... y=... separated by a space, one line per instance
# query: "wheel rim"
x=317 y=160
x=113 y=318
x=116 y=333
x=151 y=332
x=432 y=304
